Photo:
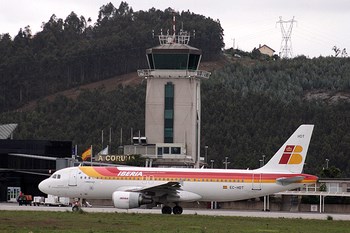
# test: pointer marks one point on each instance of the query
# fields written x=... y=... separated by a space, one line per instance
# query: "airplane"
x=131 y=187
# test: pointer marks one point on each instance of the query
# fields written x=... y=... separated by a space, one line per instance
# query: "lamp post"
x=212 y=163
x=206 y=154
x=226 y=162
x=263 y=160
x=327 y=160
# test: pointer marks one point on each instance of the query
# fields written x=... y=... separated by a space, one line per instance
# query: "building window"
x=160 y=151
x=170 y=61
x=193 y=62
x=150 y=61
x=166 y=150
x=175 y=150
x=169 y=113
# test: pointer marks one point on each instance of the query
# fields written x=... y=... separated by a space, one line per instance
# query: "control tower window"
x=170 y=61
x=193 y=62
x=150 y=61
x=169 y=113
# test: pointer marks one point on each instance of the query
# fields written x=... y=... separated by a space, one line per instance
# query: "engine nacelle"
x=129 y=200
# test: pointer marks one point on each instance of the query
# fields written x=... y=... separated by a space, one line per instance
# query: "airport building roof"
x=174 y=49
x=6 y=130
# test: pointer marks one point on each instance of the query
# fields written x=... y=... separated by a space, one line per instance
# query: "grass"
x=36 y=222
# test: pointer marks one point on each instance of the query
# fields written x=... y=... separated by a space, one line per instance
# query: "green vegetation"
x=249 y=107
x=74 y=51
x=23 y=221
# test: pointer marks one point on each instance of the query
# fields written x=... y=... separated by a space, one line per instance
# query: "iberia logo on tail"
x=291 y=155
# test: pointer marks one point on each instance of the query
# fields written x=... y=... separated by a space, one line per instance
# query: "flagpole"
x=102 y=138
x=76 y=151
x=110 y=138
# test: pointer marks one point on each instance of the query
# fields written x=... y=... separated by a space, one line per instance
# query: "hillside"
x=249 y=108
x=130 y=79
x=73 y=52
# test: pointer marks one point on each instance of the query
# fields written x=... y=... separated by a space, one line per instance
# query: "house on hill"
x=266 y=50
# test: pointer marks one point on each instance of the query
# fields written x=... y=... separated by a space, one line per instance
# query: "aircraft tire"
x=166 y=210
x=177 y=209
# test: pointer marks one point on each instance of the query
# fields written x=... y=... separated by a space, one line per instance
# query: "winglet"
x=291 y=156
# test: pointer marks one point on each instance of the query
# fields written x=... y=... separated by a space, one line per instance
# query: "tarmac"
x=217 y=212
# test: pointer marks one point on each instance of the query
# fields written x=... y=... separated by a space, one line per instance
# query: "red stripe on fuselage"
x=113 y=172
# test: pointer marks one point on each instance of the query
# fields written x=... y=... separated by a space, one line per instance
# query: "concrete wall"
x=186 y=102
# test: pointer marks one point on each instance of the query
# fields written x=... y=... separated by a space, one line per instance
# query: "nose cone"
x=43 y=186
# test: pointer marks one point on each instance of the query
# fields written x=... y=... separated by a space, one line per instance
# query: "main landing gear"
x=175 y=210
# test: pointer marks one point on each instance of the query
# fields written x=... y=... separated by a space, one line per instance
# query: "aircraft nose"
x=43 y=186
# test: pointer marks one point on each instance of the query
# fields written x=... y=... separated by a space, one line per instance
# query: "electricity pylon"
x=286 y=50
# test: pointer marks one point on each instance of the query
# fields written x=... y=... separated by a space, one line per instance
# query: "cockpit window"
x=56 y=176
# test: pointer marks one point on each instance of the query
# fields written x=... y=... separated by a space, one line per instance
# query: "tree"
x=331 y=172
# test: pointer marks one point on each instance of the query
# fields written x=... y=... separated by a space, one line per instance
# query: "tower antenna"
x=286 y=50
x=171 y=37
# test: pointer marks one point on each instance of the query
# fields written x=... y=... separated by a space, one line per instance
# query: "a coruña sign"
x=115 y=158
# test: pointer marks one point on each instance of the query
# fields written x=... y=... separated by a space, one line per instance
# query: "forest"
x=74 y=51
x=247 y=111
x=249 y=107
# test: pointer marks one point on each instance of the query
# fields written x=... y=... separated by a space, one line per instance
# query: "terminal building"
x=24 y=163
x=173 y=103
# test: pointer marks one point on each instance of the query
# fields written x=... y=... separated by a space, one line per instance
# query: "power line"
x=286 y=50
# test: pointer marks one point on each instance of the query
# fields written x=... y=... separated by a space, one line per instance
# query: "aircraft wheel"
x=177 y=209
x=75 y=208
x=166 y=210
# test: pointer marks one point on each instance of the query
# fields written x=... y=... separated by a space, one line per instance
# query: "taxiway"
x=220 y=212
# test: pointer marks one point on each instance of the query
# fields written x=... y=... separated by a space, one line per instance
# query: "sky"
x=320 y=24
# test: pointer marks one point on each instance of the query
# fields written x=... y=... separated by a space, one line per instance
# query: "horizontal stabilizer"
x=289 y=180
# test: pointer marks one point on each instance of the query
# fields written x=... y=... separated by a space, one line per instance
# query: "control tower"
x=173 y=99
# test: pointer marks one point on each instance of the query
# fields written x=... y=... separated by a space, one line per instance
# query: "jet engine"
x=129 y=200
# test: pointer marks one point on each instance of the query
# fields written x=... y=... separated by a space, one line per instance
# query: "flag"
x=104 y=151
x=87 y=154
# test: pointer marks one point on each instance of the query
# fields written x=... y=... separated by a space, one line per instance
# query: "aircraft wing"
x=289 y=180
x=170 y=191
x=165 y=188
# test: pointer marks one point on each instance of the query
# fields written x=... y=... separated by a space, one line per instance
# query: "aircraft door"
x=256 y=181
x=73 y=176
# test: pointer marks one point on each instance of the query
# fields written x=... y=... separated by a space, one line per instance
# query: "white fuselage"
x=209 y=184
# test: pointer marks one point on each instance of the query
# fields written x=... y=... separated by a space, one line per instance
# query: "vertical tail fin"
x=291 y=156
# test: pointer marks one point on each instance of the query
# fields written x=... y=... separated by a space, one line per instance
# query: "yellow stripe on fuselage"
x=90 y=171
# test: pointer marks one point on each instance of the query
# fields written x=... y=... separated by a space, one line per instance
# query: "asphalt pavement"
x=220 y=212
